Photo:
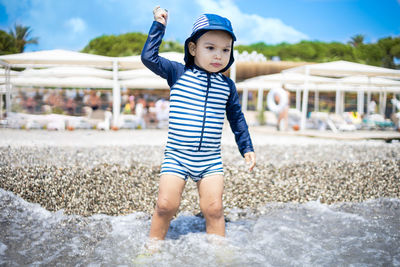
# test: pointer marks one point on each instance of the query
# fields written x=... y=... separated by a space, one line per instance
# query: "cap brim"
x=215 y=28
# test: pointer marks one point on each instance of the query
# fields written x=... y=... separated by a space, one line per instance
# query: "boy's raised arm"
x=163 y=67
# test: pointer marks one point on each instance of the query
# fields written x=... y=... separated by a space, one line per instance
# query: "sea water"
x=280 y=234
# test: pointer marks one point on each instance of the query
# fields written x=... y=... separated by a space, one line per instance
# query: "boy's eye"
x=227 y=50
x=209 y=47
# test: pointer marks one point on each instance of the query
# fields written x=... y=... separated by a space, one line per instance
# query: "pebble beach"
x=116 y=173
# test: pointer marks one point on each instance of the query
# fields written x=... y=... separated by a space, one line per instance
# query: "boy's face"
x=212 y=50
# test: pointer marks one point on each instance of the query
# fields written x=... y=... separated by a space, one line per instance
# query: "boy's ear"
x=192 y=49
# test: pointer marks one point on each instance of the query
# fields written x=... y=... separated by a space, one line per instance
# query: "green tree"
x=171 y=46
x=391 y=48
x=339 y=51
x=7 y=44
x=357 y=40
x=125 y=45
x=381 y=53
x=370 y=54
x=21 y=35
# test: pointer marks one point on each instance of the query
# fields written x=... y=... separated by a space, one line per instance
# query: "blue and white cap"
x=204 y=23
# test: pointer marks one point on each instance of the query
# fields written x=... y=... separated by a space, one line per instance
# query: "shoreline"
x=261 y=135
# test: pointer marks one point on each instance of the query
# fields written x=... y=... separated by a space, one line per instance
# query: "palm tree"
x=357 y=40
x=7 y=44
x=21 y=35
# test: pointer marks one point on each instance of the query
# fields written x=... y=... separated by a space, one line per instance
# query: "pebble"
x=119 y=180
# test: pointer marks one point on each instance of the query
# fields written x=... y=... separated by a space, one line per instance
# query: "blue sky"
x=71 y=24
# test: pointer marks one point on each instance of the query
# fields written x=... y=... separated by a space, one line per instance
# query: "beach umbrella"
x=135 y=62
x=69 y=82
x=67 y=71
x=68 y=78
x=339 y=68
x=294 y=78
x=12 y=73
x=57 y=57
x=291 y=81
x=130 y=62
x=137 y=73
x=146 y=83
x=343 y=68
x=379 y=83
x=174 y=56
x=369 y=85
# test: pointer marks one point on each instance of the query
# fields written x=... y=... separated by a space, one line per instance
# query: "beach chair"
x=377 y=122
x=100 y=119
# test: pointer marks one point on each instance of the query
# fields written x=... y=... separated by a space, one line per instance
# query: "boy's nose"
x=217 y=54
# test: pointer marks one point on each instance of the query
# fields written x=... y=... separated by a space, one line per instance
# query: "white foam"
x=3 y=248
x=282 y=235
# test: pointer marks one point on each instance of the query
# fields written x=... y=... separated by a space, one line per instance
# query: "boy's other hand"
x=250 y=158
x=160 y=15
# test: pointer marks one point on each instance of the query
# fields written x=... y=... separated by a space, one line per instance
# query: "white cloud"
x=77 y=25
x=252 y=28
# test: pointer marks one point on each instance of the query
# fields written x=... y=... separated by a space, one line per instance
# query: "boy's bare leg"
x=210 y=192
x=169 y=198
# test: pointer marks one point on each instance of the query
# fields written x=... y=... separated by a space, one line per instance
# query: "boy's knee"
x=214 y=210
x=165 y=207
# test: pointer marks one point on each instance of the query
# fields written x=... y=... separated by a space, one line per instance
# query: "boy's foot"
x=151 y=248
x=225 y=252
x=225 y=255
x=142 y=258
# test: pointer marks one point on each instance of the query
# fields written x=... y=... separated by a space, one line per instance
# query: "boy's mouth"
x=216 y=65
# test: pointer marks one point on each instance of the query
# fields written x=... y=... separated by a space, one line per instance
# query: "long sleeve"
x=237 y=121
x=163 y=67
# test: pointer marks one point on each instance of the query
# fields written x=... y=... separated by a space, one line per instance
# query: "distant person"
x=140 y=111
x=94 y=100
x=151 y=115
x=70 y=105
x=129 y=107
x=54 y=100
x=30 y=103
x=283 y=115
x=162 y=113
x=371 y=107
x=38 y=98
x=278 y=102
x=79 y=102
x=200 y=94
x=104 y=101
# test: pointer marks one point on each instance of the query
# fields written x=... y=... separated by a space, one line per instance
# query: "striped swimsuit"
x=199 y=101
x=196 y=117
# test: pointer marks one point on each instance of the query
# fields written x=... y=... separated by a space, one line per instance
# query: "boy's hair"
x=203 y=24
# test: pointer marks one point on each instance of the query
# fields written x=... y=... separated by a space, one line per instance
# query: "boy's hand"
x=160 y=15
x=250 y=158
